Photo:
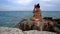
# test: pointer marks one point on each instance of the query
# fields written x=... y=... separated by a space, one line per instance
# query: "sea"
x=11 y=18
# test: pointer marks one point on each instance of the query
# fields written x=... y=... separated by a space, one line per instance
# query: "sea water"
x=11 y=18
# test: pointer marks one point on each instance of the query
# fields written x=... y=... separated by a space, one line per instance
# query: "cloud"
x=50 y=2
x=21 y=5
x=45 y=0
x=22 y=2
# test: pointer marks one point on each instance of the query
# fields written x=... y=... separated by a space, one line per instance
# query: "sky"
x=28 y=5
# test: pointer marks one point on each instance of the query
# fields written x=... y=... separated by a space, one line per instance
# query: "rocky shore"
x=7 y=30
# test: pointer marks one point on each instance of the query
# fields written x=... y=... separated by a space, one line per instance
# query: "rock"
x=18 y=25
x=28 y=24
x=47 y=25
x=38 y=32
x=6 y=30
x=50 y=18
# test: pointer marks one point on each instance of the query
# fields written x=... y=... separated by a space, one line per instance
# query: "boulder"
x=38 y=32
x=7 y=30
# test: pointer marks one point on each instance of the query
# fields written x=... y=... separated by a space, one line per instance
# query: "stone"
x=38 y=32
x=7 y=30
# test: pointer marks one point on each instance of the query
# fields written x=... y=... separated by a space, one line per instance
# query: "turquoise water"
x=10 y=18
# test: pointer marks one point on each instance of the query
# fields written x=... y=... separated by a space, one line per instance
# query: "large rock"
x=45 y=25
x=6 y=30
x=38 y=32
x=28 y=24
